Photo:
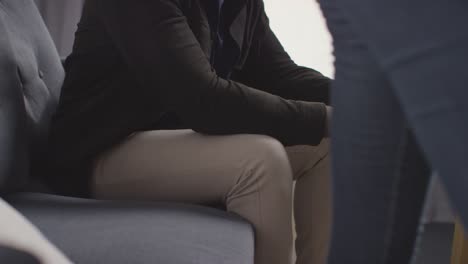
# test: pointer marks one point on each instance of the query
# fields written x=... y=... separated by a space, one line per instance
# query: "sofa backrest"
x=31 y=76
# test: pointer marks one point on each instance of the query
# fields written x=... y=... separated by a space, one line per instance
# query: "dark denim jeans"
x=401 y=106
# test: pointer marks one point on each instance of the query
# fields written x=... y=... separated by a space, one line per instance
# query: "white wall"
x=301 y=28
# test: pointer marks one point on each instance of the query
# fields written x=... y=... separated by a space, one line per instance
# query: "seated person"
x=196 y=101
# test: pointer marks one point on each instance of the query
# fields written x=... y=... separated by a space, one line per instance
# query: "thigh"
x=424 y=51
x=374 y=157
x=177 y=166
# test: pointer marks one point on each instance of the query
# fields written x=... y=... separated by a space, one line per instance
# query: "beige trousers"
x=252 y=175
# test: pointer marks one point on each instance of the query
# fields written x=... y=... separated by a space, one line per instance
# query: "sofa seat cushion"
x=10 y=255
x=90 y=231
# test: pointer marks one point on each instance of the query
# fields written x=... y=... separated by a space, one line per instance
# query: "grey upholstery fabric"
x=31 y=76
x=61 y=18
x=9 y=255
x=89 y=231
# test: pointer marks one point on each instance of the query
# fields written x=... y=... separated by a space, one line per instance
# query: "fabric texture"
x=61 y=18
x=225 y=52
x=400 y=111
x=18 y=233
x=90 y=231
x=135 y=62
x=31 y=76
x=251 y=175
x=9 y=255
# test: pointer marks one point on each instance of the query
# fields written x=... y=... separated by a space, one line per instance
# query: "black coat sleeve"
x=270 y=68
x=157 y=44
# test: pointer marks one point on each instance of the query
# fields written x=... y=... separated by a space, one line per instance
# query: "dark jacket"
x=138 y=64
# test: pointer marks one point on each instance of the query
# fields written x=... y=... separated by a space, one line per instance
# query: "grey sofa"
x=89 y=231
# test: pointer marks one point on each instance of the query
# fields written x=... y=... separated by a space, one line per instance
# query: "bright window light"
x=300 y=26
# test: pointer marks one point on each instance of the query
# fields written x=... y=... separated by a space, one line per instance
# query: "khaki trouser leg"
x=250 y=174
x=312 y=202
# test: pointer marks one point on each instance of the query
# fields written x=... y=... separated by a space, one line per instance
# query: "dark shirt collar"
x=214 y=12
x=231 y=10
x=220 y=4
x=227 y=19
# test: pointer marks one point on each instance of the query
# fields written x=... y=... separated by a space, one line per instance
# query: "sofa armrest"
x=16 y=232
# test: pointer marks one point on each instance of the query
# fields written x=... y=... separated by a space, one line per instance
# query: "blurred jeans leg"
x=380 y=176
x=422 y=46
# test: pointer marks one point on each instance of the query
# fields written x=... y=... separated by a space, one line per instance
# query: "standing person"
x=196 y=101
x=400 y=101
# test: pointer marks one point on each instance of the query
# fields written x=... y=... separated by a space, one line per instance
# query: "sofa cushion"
x=90 y=231
x=31 y=76
x=10 y=255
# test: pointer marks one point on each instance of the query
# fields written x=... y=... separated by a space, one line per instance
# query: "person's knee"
x=267 y=162
x=321 y=156
x=323 y=149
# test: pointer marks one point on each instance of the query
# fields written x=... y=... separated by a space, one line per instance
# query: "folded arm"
x=156 y=42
